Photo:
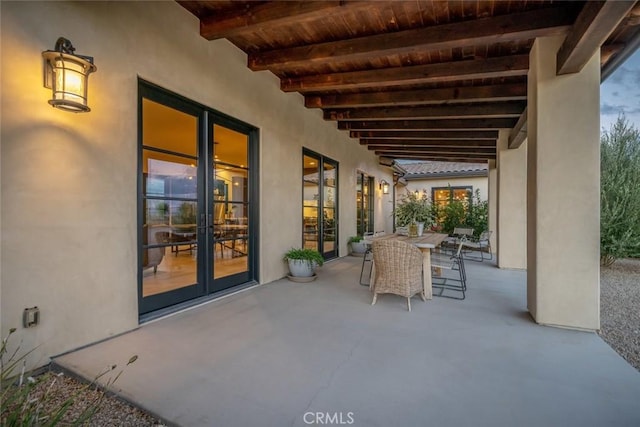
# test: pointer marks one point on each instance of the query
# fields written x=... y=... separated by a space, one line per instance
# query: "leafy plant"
x=355 y=239
x=477 y=215
x=619 y=192
x=412 y=208
x=453 y=215
x=472 y=213
x=30 y=401
x=310 y=255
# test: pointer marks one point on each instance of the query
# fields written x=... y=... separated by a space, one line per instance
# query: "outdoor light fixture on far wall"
x=67 y=75
x=384 y=186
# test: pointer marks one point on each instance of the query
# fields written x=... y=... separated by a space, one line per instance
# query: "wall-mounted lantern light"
x=384 y=186
x=67 y=75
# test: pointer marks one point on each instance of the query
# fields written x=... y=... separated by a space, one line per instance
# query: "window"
x=319 y=203
x=442 y=195
x=364 y=203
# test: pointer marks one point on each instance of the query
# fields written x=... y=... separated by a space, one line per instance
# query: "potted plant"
x=302 y=263
x=357 y=245
x=414 y=210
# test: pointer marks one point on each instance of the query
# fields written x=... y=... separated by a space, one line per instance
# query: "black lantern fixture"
x=67 y=75
x=384 y=186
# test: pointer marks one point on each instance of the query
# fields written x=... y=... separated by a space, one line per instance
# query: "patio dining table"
x=425 y=243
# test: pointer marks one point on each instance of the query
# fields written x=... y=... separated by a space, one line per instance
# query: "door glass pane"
x=168 y=129
x=359 y=198
x=230 y=195
x=169 y=199
x=311 y=197
x=329 y=208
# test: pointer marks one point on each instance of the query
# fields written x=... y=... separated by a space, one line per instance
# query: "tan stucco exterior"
x=563 y=211
x=493 y=205
x=512 y=204
x=69 y=216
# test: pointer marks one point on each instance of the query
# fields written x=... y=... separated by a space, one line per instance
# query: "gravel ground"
x=620 y=320
x=620 y=308
x=53 y=390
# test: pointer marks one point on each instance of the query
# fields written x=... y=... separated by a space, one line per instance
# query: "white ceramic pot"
x=358 y=248
x=301 y=268
x=420 y=228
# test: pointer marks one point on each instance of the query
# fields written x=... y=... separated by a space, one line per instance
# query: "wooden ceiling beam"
x=456 y=155
x=456 y=143
x=428 y=134
x=453 y=124
x=456 y=111
x=434 y=158
x=596 y=21
x=418 y=149
x=607 y=51
x=493 y=93
x=250 y=16
x=504 y=66
x=519 y=132
x=483 y=31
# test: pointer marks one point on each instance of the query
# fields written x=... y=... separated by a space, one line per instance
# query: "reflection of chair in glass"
x=218 y=234
x=151 y=257
x=177 y=237
x=310 y=233
x=445 y=268
x=398 y=270
x=233 y=236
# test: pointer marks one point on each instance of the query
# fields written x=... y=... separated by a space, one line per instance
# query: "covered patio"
x=284 y=352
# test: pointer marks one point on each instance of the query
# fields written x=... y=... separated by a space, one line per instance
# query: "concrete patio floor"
x=269 y=355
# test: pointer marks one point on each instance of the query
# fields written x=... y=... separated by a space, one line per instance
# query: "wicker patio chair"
x=398 y=270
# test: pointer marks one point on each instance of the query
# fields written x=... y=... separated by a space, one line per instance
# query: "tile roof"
x=429 y=168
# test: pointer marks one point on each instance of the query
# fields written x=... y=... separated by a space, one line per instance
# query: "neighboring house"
x=442 y=180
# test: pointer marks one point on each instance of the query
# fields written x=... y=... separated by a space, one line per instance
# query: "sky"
x=620 y=93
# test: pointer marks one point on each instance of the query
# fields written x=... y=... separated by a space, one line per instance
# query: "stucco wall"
x=69 y=180
x=512 y=221
x=563 y=204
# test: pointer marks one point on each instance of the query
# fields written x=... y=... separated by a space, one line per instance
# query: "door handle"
x=203 y=224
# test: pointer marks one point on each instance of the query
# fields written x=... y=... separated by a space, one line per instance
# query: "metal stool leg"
x=367 y=258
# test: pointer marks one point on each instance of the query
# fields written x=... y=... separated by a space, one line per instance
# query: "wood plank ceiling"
x=428 y=80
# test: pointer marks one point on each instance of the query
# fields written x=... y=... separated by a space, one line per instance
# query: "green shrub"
x=310 y=255
x=355 y=239
x=453 y=215
x=619 y=192
x=473 y=213
x=478 y=215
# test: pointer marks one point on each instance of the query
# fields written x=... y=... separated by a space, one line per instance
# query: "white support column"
x=512 y=203
x=493 y=206
x=563 y=198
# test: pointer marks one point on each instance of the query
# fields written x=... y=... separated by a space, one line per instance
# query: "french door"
x=197 y=198
x=320 y=204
